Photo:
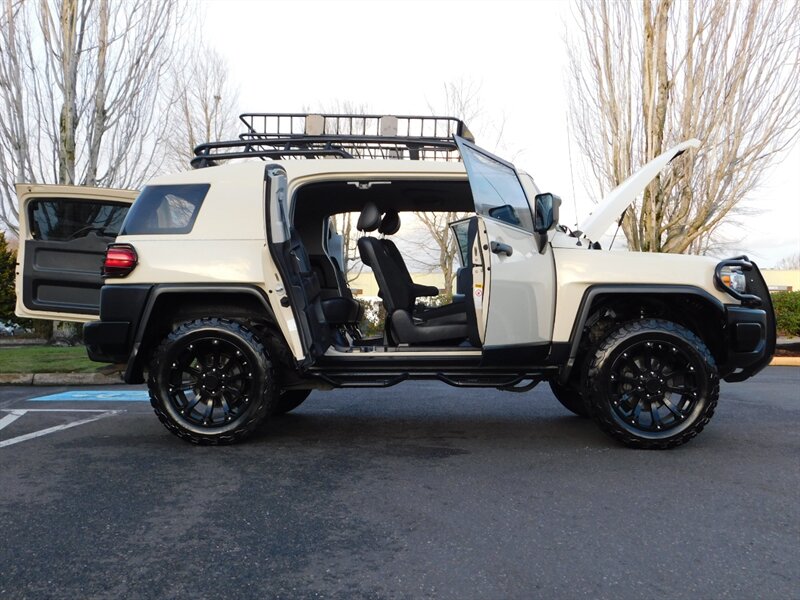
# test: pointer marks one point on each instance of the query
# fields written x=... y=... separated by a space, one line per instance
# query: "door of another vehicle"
x=63 y=235
x=519 y=272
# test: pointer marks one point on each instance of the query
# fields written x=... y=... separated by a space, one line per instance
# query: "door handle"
x=501 y=248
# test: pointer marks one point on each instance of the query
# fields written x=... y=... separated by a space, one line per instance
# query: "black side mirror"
x=546 y=212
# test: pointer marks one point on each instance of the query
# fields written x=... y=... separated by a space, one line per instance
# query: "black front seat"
x=398 y=294
x=454 y=312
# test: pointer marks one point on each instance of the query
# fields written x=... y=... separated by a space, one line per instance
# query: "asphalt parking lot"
x=418 y=491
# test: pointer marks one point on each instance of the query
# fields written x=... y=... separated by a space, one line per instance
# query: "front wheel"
x=211 y=382
x=652 y=384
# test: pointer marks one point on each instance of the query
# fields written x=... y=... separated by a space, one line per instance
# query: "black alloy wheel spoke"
x=209 y=411
x=191 y=404
x=656 y=419
x=654 y=377
x=672 y=408
x=677 y=390
x=637 y=411
x=631 y=399
x=213 y=374
x=196 y=373
x=226 y=410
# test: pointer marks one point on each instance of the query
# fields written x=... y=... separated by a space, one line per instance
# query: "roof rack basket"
x=281 y=136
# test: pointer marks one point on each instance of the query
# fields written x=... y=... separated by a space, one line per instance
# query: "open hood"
x=612 y=206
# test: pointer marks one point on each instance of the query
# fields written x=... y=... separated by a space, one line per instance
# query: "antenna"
x=571 y=173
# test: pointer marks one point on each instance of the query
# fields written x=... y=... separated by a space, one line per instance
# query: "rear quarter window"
x=162 y=209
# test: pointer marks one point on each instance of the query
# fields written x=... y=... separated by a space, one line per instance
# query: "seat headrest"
x=370 y=218
x=390 y=223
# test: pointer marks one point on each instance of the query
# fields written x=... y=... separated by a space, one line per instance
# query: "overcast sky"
x=395 y=57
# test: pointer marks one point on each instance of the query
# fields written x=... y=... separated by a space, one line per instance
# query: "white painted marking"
x=11 y=417
x=16 y=413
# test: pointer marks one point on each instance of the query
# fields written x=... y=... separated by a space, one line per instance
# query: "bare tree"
x=202 y=107
x=461 y=99
x=80 y=84
x=345 y=223
x=645 y=76
x=789 y=263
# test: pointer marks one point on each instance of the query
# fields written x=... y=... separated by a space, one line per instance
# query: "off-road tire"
x=236 y=353
x=570 y=398
x=642 y=362
x=289 y=400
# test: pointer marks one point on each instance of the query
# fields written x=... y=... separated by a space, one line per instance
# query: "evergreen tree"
x=8 y=261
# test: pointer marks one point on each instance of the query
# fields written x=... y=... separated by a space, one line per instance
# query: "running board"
x=508 y=383
x=376 y=380
x=504 y=381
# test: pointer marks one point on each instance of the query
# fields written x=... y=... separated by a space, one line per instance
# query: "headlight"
x=733 y=278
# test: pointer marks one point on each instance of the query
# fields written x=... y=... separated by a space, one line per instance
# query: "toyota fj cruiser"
x=222 y=287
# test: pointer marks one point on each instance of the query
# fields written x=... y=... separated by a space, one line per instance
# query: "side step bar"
x=504 y=381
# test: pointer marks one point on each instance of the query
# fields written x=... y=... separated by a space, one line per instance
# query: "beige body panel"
x=219 y=249
x=579 y=268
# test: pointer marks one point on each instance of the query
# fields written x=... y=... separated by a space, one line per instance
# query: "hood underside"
x=622 y=196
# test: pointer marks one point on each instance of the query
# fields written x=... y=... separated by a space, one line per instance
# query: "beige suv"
x=223 y=286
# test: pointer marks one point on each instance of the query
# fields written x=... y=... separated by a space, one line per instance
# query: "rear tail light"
x=120 y=260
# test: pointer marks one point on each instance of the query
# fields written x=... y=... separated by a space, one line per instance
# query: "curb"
x=785 y=361
x=59 y=379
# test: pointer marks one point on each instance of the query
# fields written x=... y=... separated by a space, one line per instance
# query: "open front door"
x=519 y=286
x=63 y=233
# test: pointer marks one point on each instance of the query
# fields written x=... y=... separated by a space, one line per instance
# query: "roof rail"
x=299 y=135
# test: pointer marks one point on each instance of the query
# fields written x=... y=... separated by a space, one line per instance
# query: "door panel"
x=522 y=292
x=519 y=295
x=64 y=232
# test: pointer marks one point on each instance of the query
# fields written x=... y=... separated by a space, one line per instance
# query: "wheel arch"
x=706 y=314
x=171 y=303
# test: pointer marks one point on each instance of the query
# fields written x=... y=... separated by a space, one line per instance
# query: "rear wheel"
x=211 y=382
x=289 y=400
x=652 y=384
x=570 y=397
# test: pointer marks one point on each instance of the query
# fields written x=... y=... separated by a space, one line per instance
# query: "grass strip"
x=46 y=359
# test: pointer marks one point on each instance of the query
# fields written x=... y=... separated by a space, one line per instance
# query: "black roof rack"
x=281 y=136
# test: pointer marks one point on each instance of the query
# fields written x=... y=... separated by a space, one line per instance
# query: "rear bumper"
x=111 y=338
x=107 y=341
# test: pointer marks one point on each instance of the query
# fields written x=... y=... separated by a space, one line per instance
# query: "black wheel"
x=652 y=384
x=289 y=400
x=211 y=382
x=570 y=397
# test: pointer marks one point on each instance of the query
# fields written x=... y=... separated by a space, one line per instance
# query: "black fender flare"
x=593 y=291
x=134 y=371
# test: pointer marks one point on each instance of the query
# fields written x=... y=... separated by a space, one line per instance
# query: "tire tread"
x=594 y=394
x=267 y=397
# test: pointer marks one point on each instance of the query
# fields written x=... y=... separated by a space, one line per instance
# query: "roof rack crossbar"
x=421 y=126
x=300 y=135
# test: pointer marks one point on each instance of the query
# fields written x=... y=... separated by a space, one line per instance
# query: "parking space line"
x=11 y=417
x=17 y=413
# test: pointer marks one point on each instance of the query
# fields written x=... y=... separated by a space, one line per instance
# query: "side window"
x=161 y=209
x=496 y=189
x=461 y=232
x=61 y=219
